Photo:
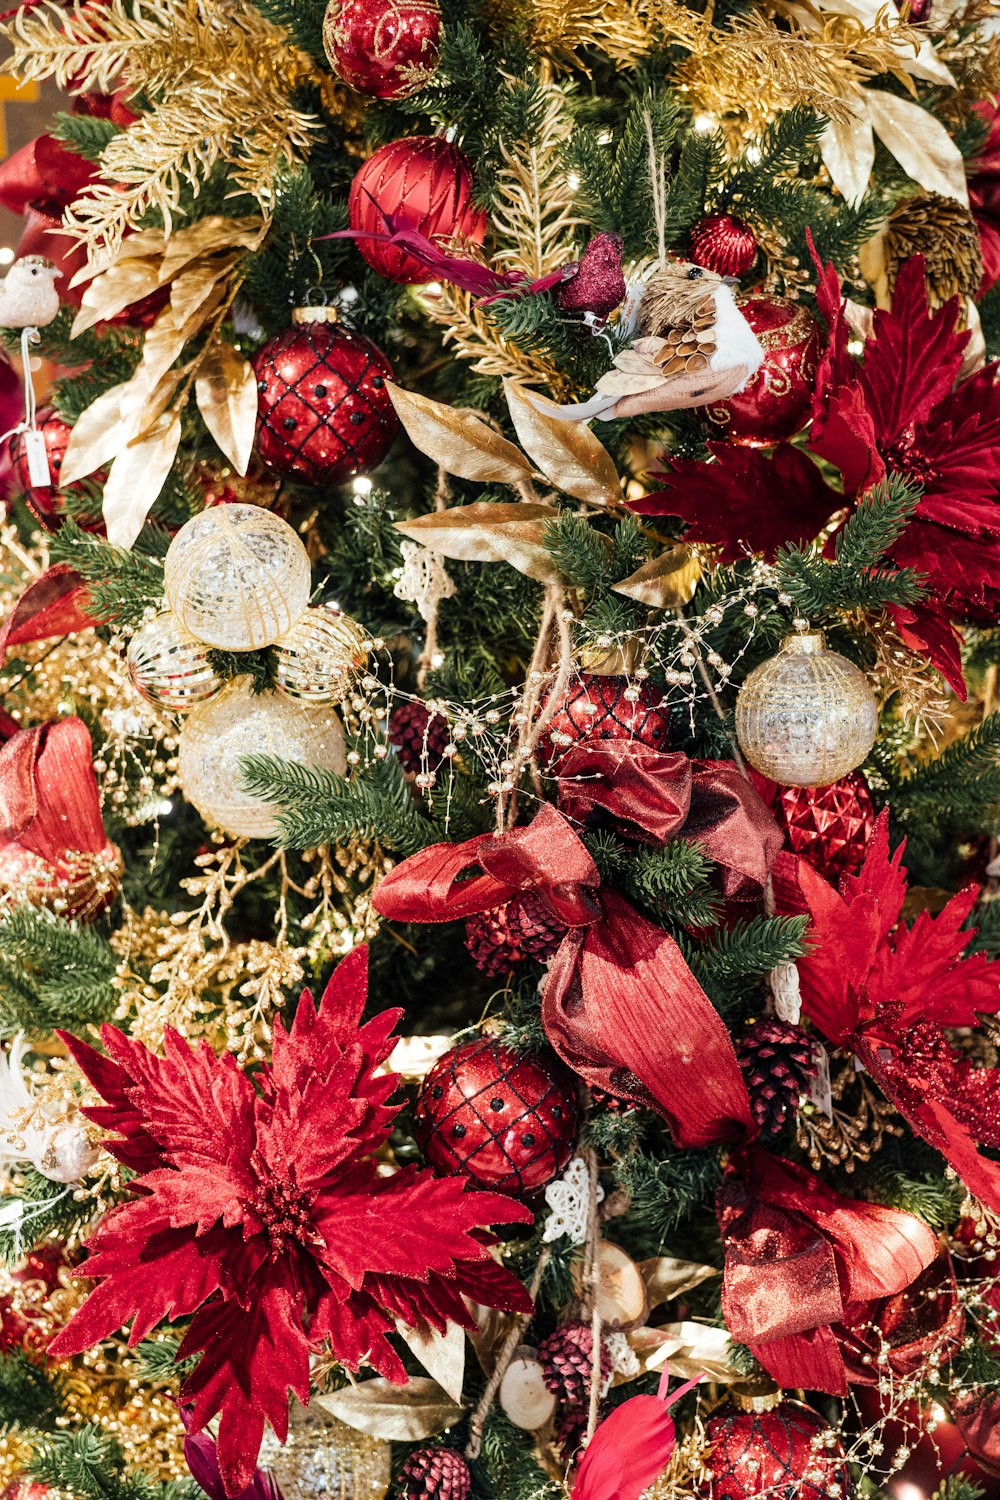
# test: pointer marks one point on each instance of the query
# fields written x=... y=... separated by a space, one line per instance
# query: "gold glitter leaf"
x=460 y=441
x=665 y=582
x=115 y=289
x=399 y=1414
x=136 y=478
x=226 y=393
x=567 y=453
x=486 y=532
x=667 y=1278
x=97 y=435
x=441 y=1354
x=195 y=295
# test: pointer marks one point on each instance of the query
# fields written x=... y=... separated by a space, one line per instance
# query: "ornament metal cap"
x=316 y=312
x=804 y=642
x=756 y=1395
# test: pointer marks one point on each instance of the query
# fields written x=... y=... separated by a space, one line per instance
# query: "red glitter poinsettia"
x=260 y=1210
x=899 y=411
x=890 y=993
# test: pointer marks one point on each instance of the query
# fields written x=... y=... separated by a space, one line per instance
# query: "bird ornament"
x=689 y=345
x=28 y=295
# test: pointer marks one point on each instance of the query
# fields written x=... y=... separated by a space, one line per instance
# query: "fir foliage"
x=86 y=134
x=53 y=973
x=88 y=1464
x=121 y=585
x=320 y=807
x=30 y=1394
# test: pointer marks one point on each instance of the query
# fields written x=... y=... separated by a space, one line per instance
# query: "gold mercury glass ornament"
x=237 y=577
x=808 y=716
x=324 y=1459
x=320 y=656
x=218 y=734
x=169 y=667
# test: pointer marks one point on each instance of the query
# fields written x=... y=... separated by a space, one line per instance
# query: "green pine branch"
x=735 y=957
x=31 y=1395
x=122 y=585
x=672 y=883
x=86 y=134
x=53 y=973
x=88 y=1464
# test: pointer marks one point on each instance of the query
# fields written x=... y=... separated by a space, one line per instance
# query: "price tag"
x=819 y=1089
x=38 y=459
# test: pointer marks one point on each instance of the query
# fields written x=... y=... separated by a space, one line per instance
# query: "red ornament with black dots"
x=723 y=244
x=597 y=707
x=776 y=401
x=44 y=500
x=506 y=1120
x=420 y=182
x=323 y=410
x=386 y=49
x=786 y=1451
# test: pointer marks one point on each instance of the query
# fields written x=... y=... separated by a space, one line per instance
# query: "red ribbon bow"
x=620 y=1005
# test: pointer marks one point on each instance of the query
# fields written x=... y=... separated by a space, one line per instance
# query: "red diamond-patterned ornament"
x=45 y=500
x=789 y=1453
x=323 y=410
x=507 y=1121
x=606 y=708
x=828 y=825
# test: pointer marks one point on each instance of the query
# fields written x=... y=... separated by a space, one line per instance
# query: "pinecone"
x=777 y=1063
x=412 y=729
x=944 y=232
x=522 y=928
x=435 y=1474
x=565 y=1357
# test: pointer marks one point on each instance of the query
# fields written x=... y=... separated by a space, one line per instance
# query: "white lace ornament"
x=569 y=1200
x=424 y=580
x=624 y=1360
x=784 y=982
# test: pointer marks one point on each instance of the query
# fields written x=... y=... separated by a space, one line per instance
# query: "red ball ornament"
x=506 y=1121
x=606 y=708
x=781 y=1451
x=43 y=500
x=421 y=182
x=828 y=825
x=775 y=402
x=385 y=48
x=723 y=244
x=323 y=411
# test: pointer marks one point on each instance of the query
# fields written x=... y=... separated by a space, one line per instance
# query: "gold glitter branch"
x=562 y=29
x=219 y=76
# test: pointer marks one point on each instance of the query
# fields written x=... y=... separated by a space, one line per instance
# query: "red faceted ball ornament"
x=507 y=1121
x=723 y=244
x=606 y=708
x=384 y=48
x=775 y=402
x=323 y=411
x=421 y=182
x=784 y=1451
x=828 y=825
x=43 y=500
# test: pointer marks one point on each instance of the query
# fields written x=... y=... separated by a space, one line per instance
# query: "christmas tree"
x=500 y=752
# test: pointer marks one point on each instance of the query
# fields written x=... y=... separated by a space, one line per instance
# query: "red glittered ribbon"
x=49 y=802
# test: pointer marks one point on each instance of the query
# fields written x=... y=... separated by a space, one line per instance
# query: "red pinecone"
x=777 y=1062
x=435 y=1474
x=412 y=729
x=522 y=928
x=566 y=1357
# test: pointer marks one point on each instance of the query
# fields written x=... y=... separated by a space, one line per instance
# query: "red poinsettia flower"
x=890 y=993
x=984 y=192
x=899 y=411
x=260 y=1210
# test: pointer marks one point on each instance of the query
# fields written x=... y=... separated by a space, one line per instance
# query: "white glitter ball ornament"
x=237 y=577
x=169 y=667
x=219 y=734
x=808 y=716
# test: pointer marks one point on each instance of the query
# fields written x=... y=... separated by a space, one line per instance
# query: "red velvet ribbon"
x=658 y=797
x=797 y=1256
x=620 y=1006
x=39 y=182
x=49 y=804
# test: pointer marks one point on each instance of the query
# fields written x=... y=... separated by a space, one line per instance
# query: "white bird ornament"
x=694 y=346
x=28 y=294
